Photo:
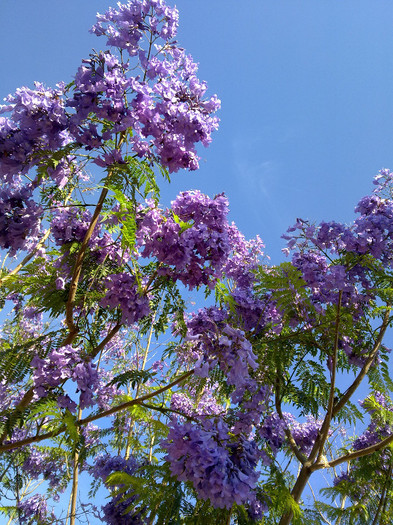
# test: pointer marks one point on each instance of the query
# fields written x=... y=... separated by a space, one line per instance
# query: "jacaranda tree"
x=220 y=415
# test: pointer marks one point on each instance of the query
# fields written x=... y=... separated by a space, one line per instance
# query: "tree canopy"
x=221 y=413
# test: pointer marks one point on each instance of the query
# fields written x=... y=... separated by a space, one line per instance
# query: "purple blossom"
x=216 y=343
x=114 y=512
x=125 y=26
x=41 y=463
x=122 y=292
x=38 y=122
x=272 y=431
x=167 y=111
x=35 y=508
x=104 y=465
x=252 y=408
x=70 y=225
x=206 y=406
x=220 y=470
x=190 y=240
x=378 y=429
x=244 y=258
x=62 y=364
x=19 y=218
x=304 y=433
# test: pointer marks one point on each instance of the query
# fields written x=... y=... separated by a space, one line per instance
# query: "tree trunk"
x=301 y=482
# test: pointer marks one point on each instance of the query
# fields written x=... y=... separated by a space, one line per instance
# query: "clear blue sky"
x=306 y=90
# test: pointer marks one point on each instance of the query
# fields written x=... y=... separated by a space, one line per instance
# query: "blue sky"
x=306 y=90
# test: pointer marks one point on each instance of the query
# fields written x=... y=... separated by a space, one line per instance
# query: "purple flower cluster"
x=167 y=111
x=272 y=431
x=115 y=511
x=38 y=122
x=251 y=409
x=244 y=258
x=173 y=113
x=19 y=218
x=190 y=240
x=106 y=464
x=126 y=25
x=216 y=343
x=40 y=463
x=273 y=428
x=206 y=406
x=256 y=313
x=220 y=469
x=374 y=433
x=325 y=280
x=30 y=322
x=378 y=428
x=306 y=433
x=122 y=292
x=60 y=365
x=35 y=508
x=378 y=406
x=70 y=225
x=370 y=234
x=100 y=89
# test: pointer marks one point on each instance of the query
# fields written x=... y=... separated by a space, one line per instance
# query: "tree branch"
x=292 y=443
x=353 y=455
x=78 y=269
x=128 y=404
x=347 y=395
x=29 y=394
x=95 y=417
x=324 y=432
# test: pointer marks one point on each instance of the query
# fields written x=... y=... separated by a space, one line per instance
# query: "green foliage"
x=167 y=500
x=366 y=497
x=166 y=304
x=132 y=377
x=224 y=297
x=275 y=491
x=183 y=225
x=285 y=285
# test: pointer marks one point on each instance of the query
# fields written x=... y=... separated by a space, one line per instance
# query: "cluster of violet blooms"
x=154 y=91
x=218 y=458
x=317 y=251
x=379 y=427
x=371 y=233
x=59 y=366
x=35 y=508
x=191 y=240
x=218 y=450
x=114 y=512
